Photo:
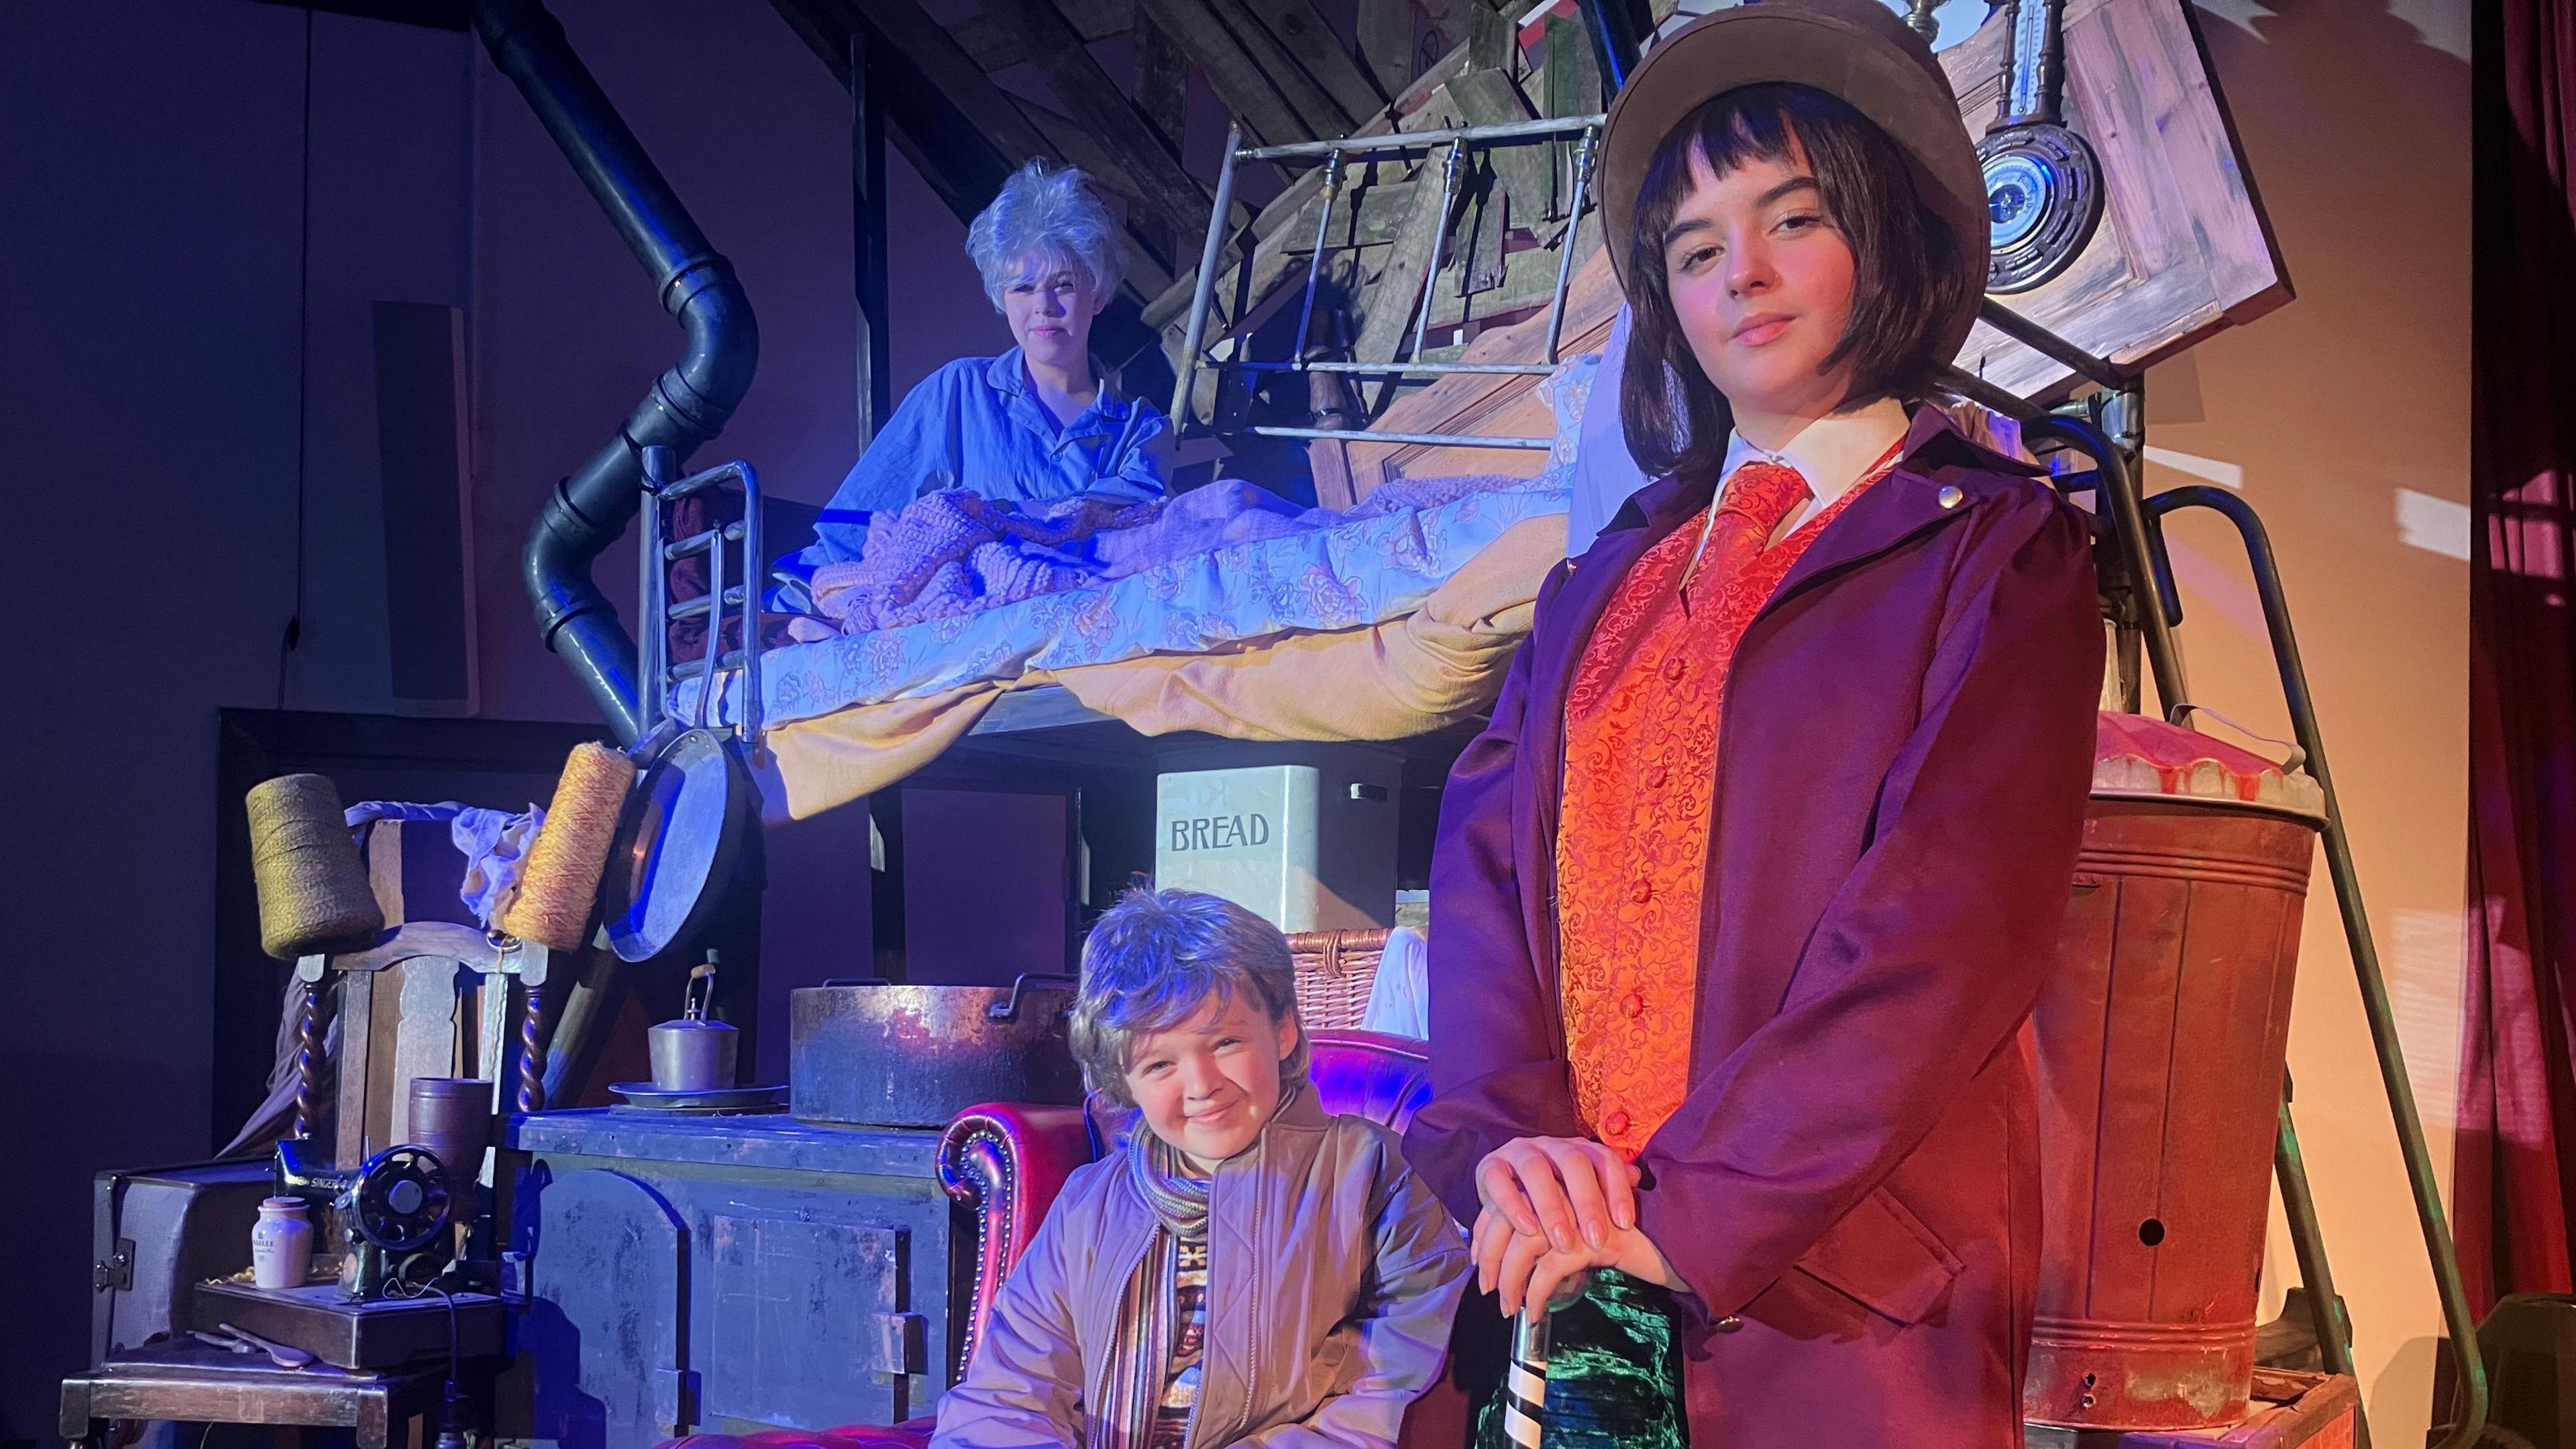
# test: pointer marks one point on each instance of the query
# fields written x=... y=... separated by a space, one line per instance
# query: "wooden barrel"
x=2160 y=1045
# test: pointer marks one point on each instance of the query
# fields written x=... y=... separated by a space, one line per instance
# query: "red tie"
x=1758 y=496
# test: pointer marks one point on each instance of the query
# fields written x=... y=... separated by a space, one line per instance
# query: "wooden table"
x=192 y=1383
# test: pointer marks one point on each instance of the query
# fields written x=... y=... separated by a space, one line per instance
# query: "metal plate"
x=710 y=1099
x=676 y=845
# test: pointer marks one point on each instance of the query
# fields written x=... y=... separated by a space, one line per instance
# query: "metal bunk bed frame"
x=1458 y=141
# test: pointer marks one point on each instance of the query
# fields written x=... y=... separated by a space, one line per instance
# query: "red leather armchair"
x=1007 y=1161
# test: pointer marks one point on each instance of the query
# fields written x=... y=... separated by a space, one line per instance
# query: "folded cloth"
x=493 y=842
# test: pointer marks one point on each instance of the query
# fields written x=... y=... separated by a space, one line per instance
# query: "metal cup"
x=693 y=1056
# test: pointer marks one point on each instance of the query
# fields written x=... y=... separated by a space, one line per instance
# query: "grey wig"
x=1156 y=959
x=1047 y=213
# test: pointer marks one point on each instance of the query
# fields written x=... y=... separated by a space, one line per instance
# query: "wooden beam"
x=1386 y=42
x=940 y=59
x=1322 y=111
x=1239 y=81
x=1312 y=44
x=996 y=46
x=961 y=166
x=1098 y=106
x=959 y=157
x=1488 y=98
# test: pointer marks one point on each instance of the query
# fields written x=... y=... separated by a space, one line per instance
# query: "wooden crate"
x=2183 y=249
x=2293 y=1411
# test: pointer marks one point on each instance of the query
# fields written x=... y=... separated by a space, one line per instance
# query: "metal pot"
x=873 y=1054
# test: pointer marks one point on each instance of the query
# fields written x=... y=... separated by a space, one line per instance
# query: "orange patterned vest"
x=1640 y=766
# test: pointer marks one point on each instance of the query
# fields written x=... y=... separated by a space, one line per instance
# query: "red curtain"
x=2516 y=1168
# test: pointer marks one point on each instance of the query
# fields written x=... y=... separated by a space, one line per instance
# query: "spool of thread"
x=313 y=892
x=561 y=879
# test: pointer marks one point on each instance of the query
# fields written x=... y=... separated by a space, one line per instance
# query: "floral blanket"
x=955 y=588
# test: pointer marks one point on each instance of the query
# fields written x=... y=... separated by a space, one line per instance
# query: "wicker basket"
x=1335 y=970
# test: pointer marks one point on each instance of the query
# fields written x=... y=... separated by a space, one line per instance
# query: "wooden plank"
x=2183 y=249
x=1425 y=105
x=1163 y=84
x=931 y=50
x=1096 y=103
x=1490 y=39
x=1572 y=87
x=1266 y=115
x=1316 y=106
x=996 y=46
x=1312 y=44
x=1385 y=33
x=962 y=169
x=1389 y=307
x=1488 y=98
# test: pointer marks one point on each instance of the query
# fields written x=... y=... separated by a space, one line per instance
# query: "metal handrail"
x=2468 y=1367
x=2135 y=524
x=1457 y=139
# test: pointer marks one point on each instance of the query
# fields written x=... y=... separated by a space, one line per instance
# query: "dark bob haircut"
x=1908 y=275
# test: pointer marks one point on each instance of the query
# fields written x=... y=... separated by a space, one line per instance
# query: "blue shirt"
x=978 y=424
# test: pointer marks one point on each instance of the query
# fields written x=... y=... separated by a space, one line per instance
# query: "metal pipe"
x=2468 y=1368
x=1332 y=188
x=660 y=466
x=2308 y=1244
x=1205 y=292
x=1990 y=396
x=2051 y=346
x=1439 y=234
x=1538 y=130
x=1357 y=435
x=1616 y=36
x=2119 y=495
x=1565 y=251
x=688 y=404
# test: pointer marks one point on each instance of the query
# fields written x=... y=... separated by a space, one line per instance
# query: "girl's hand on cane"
x=1570 y=1191
x=1528 y=1272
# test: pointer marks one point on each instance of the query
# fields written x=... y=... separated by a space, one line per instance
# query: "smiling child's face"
x=1208 y=1085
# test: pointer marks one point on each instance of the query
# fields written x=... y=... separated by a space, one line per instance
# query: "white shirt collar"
x=1831 y=453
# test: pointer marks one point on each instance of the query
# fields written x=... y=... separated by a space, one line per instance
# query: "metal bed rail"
x=1456 y=142
x=733 y=551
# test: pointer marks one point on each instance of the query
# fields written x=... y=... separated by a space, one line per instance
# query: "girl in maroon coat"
x=1739 y=905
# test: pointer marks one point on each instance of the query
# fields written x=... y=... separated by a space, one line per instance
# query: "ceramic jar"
x=281 y=1244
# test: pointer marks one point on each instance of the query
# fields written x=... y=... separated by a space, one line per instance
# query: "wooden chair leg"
x=312 y=1018
x=532 y=1052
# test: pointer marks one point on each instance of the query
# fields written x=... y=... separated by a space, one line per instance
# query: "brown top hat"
x=1857 y=50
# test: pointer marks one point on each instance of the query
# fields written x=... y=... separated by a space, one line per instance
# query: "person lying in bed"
x=1038 y=423
x=1246 y=1269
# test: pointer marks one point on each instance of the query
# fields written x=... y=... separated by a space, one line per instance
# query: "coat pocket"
x=1882 y=1256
